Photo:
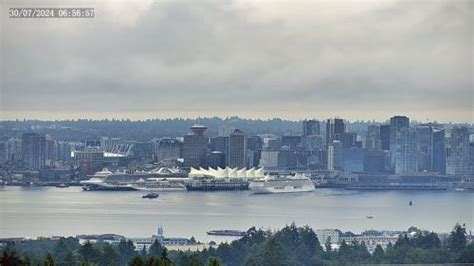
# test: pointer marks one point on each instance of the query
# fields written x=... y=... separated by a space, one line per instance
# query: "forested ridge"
x=289 y=246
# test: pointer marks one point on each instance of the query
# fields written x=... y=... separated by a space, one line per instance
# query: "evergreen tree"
x=9 y=258
x=89 y=253
x=110 y=256
x=137 y=261
x=213 y=261
x=126 y=250
x=467 y=255
x=327 y=245
x=272 y=254
x=69 y=259
x=164 y=259
x=378 y=255
x=156 y=249
x=457 y=239
x=49 y=261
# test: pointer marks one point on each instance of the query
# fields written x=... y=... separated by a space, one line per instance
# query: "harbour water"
x=48 y=211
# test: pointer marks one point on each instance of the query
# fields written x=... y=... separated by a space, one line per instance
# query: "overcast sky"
x=288 y=59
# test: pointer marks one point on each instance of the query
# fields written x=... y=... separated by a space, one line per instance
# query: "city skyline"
x=172 y=59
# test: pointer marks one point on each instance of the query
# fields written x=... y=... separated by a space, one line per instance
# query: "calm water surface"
x=47 y=211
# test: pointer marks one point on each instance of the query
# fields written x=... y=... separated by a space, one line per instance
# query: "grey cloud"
x=213 y=55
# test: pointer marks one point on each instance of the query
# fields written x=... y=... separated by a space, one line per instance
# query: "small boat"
x=62 y=185
x=226 y=233
x=370 y=217
x=151 y=195
x=410 y=203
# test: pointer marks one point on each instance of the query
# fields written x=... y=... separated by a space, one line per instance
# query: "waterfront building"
x=335 y=128
x=168 y=149
x=254 y=150
x=271 y=146
x=402 y=145
x=311 y=127
x=353 y=159
x=33 y=148
x=89 y=159
x=374 y=161
x=457 y=155
x=237 y=156
x=195 y=147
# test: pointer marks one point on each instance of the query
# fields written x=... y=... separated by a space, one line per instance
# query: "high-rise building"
x=349 y=139
x=237 y=149
x=439 y=151
x=385 y=137
x=221 y=144
x=372 y=140
x=335 y=128
x=195 y=147
x=335 y=156
x=168 y=149
x=457 y=156
x=33 y=148
x=3 y=152
x=291 y=142
x=424 y=145
x=400 y=149
x=311 y=127
x=64 y=151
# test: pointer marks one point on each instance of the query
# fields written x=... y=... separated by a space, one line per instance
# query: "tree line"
x=291 y=245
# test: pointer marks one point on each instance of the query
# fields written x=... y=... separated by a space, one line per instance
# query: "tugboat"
x=151 y=195
x=370 y=217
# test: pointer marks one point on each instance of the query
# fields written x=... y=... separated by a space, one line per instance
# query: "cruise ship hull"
x=283 y=189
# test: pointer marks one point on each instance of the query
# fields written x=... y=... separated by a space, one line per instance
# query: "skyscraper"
x=33 y=147
x=439 y=151
x=311 y=127
x=335 y=128
x=372 y=140
x=237 y=149
x=424 y=145
x=402 y=148
x=457 y=158
x=385 y=137
x=335 y=156
x=195 y=147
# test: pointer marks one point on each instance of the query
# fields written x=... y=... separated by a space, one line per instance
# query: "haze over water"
x=70 y=211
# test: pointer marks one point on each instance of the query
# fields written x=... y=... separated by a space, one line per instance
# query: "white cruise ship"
x=281 y=184
x=161 y=180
